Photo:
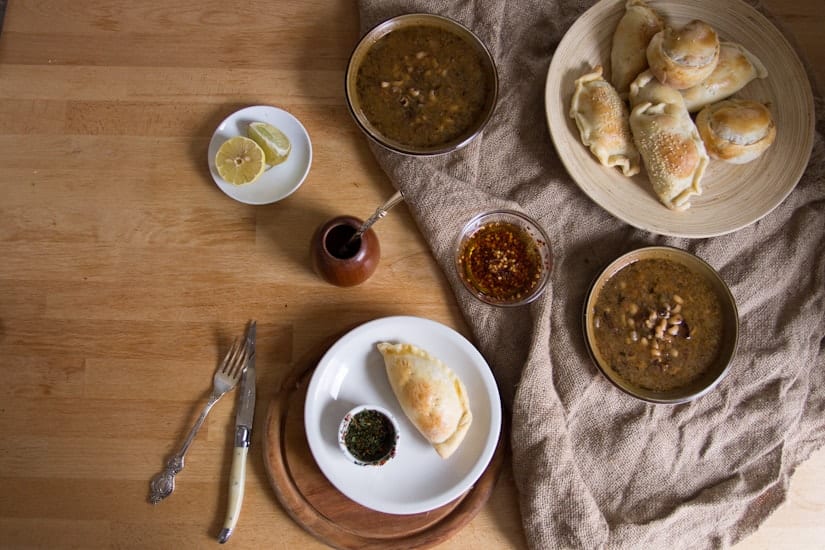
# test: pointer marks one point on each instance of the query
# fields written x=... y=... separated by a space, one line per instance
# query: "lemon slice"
x=240 y=160
x=275 y=144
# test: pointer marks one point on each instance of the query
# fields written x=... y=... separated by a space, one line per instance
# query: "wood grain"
x=125 y=272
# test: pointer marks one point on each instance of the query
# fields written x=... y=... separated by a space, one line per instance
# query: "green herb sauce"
x=370 y=436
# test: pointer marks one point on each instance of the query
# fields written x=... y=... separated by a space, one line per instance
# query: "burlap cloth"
x=593 y=467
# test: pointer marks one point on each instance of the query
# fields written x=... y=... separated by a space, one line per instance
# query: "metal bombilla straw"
x=377 y=215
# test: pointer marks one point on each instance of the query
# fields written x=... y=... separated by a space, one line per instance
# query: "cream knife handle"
x=237 y=479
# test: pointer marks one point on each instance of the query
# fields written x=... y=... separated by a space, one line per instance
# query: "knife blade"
x=243 y=438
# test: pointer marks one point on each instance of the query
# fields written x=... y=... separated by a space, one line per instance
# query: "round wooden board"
x=321 y=509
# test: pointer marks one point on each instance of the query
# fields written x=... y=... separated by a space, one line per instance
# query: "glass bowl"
x=503 y=258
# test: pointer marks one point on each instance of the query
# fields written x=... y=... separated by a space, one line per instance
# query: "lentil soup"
x=658 y=324
x=422 y=86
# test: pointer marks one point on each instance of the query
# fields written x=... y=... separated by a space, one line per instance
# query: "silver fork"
x=226 y=377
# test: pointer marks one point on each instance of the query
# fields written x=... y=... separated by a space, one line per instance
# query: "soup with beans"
x=658 y=324
x=422 y=86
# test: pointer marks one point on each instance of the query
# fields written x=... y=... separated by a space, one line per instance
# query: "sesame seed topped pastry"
x=671 y=148
x=602 y=119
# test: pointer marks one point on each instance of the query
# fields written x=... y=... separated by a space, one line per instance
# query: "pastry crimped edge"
x=681 y=201
x=630 y=162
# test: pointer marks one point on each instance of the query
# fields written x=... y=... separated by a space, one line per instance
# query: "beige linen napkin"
x=595 y=468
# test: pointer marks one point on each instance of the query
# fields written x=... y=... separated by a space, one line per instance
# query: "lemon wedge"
x=240 y=160
x=275 y=144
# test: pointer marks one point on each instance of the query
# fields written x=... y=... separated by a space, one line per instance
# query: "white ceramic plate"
x=417 y=480
x=277 y=182
x=734 y=196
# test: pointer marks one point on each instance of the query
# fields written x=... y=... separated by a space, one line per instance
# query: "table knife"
x=243 y=438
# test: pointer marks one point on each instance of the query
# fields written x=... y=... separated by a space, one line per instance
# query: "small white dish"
x=391 y=447
x=416 y=480
x=277 y=182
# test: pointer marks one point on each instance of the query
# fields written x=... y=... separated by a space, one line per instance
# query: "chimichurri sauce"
x=370 y=436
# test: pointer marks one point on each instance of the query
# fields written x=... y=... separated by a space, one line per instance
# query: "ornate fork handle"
x=163 y=483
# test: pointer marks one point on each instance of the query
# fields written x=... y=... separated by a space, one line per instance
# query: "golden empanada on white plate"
x=736 y=130
x=683 y=57
x=602 y=119
x=736 y=67
x=673 y=153
x=628 y=54
x=430 y=394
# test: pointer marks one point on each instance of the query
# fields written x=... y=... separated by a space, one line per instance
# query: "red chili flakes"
x=502 y=261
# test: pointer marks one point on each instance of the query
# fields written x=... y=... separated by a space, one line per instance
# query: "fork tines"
x=235 y=360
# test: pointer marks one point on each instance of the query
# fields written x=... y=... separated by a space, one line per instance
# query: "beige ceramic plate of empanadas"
x=418 y=478
x=733 y=196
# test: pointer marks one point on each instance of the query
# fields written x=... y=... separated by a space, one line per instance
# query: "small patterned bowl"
x=389 y=446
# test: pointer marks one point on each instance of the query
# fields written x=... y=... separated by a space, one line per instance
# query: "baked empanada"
x=430 y=394
x=736 y=130
x=602 y=119
x=681 y=58
x=646 y=88
x=628 y=55
x=736 y=67
x=672 y=151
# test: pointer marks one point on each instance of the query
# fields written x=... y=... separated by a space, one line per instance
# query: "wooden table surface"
x=125 y=272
